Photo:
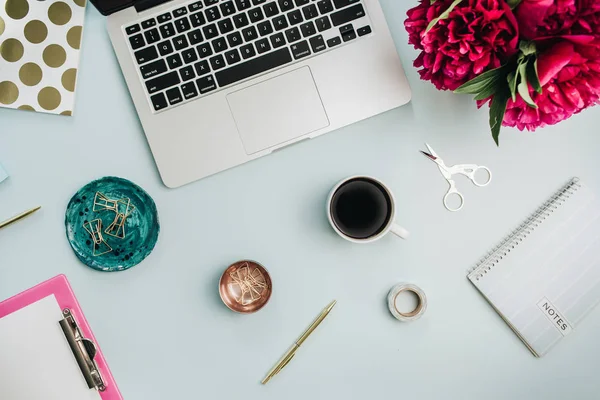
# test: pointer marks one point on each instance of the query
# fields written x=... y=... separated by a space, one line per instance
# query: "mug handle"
x=399 y=231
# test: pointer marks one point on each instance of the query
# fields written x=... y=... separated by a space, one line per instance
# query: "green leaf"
x=533 y=77
x=477 y=84
x=442 y=16
x=527 y=47
x=512 y=3
x=431 y=2
x=523 y=88
x=488 y=90
x=497 y=111
x=512 y=85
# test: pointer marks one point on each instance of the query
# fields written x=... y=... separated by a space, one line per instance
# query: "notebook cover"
x=39 y=54
x=60 y=288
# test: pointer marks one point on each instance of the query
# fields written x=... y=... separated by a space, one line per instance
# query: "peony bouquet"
x=535 y=62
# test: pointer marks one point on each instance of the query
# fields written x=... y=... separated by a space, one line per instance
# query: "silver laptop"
x=217 y=83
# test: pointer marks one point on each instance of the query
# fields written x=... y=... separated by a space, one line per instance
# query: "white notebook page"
x=559 y=263
x=36 y=362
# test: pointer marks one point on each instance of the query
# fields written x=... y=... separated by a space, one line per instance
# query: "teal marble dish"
x=130 y=243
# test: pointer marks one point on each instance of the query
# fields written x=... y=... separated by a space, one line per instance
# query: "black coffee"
x=361 y=208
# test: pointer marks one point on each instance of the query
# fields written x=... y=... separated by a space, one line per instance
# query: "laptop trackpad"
x=277 y=110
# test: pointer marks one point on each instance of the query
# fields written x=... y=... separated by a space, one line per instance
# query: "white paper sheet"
x=36 y=362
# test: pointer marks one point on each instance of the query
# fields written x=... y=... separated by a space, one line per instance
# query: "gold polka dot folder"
x=39 y=54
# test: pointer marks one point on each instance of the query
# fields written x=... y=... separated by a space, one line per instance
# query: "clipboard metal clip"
x=84 y=351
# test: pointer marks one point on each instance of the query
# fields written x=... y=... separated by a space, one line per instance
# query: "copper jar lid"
x=245 y=287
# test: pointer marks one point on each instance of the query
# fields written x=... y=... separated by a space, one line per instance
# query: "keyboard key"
x=187 y=73
x=189 y=90
x=182 y=24
x=317 y=43
x=308 y=29
x=217 y=62
x=174 y=61
x=167 y=30
x=197 y=19
x=195 y=6
x=204 y=50
x=162 y=82
x=152 y=36
x=137 y=41
x=206 y=84
x=310 y=12
x=210 y=31
x=227 y=8
x=263 y=45
x=234 y=39
x=334 y=41
x=225 y=25
x=145 y=55
x=265 y=28
x=257 y=2
x=365 y=30
x=344 y=3
x=189 y=56
x=247 y=51
x=323 y=23
x=154 y=68
x=347 y=15
x=300 y=3
x=165 y=48
x=293 y=35
x=212 y=14
x=325 y=6
x=347 y=32
x=300 y=50
x=149 y=23
x=286 y=5
x=271 y=9
x=202 y=68
x=249 y=33
x=174 y=96
x=242 y=4
x=232 y=56
x=130 y=30
x=256 y=15
x=195 y=37
x=179 y=12
x=254 y=67
x=295 y=17
x=280 y=22
x=219 y=44
x=209 y=2
x=164 y=18
x=241 y=20
x=159 y=101
x=180 y=42
x=277 y=40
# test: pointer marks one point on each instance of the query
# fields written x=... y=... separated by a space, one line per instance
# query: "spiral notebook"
x=544 y=277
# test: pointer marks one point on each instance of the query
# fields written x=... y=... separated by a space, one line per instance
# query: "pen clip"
x=285 y=362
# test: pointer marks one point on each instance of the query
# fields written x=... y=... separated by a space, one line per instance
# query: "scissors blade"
x=431 y=151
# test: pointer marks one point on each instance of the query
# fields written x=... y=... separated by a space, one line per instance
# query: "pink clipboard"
x=60 y=288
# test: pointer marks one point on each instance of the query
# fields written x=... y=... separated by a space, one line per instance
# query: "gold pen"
x=18 y=217
x=292 y=351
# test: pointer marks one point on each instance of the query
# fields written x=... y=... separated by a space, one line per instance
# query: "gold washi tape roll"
x=393 y=302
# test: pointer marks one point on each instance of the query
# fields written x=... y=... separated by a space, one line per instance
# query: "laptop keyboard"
x=197 y=48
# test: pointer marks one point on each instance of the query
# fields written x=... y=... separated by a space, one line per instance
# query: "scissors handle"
x=453 y=192
x=469 y=170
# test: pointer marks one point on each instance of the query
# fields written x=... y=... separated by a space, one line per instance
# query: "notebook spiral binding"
x=495 y=255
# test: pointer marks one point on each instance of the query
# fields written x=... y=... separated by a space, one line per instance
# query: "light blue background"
x=162 y=326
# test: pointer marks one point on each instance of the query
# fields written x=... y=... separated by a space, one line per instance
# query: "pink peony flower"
x=569 y=72
x=477 y=36
x=543 y=18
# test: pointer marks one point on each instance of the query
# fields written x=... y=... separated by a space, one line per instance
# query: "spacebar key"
x=254 y=67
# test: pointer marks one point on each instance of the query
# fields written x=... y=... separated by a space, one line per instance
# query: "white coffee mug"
x=390 y=225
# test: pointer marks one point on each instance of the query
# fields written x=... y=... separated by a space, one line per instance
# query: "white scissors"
x=468 y=170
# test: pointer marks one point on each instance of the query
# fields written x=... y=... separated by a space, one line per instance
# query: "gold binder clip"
x=94 y=228
x=123 y=210
x=103 y=203
x=251 y=284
